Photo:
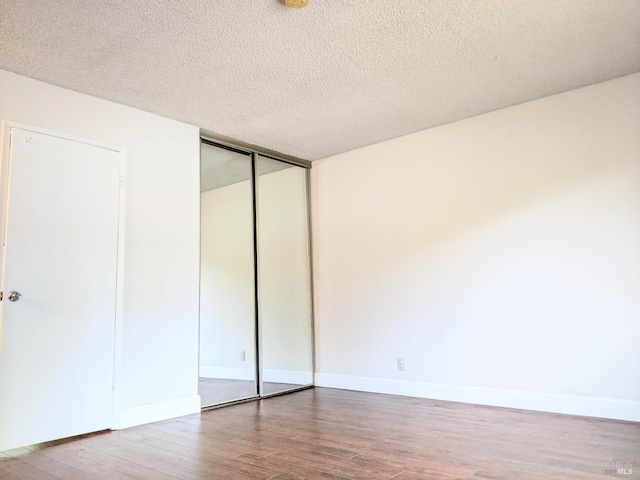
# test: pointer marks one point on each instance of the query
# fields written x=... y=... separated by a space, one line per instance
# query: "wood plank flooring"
x=334 y=434
x=219 y=390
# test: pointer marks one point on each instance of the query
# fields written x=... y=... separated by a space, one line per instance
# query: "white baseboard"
x=228 y=373
x=155 y=412
x=276 y=376
x=544 y=402
x=288 y=376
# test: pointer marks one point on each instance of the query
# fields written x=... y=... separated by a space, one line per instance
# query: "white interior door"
x=60 y=254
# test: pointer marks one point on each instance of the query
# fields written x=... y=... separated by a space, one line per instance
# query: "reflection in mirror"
x=227 y=281
x=284 y=277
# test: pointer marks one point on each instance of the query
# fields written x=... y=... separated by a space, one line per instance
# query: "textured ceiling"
x=220 y=167
x=325 y=79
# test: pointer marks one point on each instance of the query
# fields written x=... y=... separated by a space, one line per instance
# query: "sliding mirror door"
x=284 y=276
x=227 y=277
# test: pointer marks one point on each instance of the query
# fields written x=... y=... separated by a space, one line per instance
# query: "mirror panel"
x=284 y=276
x=227 y=278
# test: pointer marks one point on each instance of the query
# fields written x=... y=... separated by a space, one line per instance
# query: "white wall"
x=227 y=300
x=499 y=255
x=160 y=325
x=285 y=303
x=227 y=317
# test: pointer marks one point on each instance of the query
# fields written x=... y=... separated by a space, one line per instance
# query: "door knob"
x=14 y=296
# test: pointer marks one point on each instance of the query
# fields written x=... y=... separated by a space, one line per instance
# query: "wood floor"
x=219 y=390
x=334 y=434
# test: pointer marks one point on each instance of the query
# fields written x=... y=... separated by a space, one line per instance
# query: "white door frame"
x=5 y=150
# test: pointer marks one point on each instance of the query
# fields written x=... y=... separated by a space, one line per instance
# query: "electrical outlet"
x=401 y=364
x=243 y=356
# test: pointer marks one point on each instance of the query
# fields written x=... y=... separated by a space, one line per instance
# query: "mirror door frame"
x=254 y=153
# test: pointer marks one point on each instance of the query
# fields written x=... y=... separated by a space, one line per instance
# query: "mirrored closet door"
x=284 y=276
x=256 y=326
x=227 y=279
